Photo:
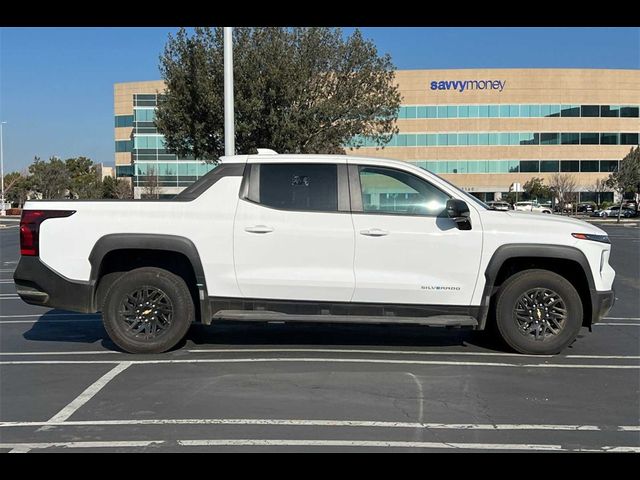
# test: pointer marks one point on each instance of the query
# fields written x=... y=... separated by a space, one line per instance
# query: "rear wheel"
x=538 y=312
x=148 y=310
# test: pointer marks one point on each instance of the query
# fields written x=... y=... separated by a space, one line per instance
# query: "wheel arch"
x=567 y=261
x=175 y=253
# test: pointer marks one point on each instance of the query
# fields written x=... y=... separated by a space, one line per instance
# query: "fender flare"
x=152 y=241
x=518 y=250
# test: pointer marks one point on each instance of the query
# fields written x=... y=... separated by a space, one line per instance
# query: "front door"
x=293 y=235
x=407 y=250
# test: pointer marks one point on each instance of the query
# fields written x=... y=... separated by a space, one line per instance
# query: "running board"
x=271 y=316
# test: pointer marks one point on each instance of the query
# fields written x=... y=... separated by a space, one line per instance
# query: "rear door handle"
x=259 y=229
x=374 y=232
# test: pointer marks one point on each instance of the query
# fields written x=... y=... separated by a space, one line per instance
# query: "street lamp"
x=3 y=212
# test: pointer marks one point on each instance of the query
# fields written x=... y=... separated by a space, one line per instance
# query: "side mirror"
x=458 y=211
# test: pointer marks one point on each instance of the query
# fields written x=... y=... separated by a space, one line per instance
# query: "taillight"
x=30 y=228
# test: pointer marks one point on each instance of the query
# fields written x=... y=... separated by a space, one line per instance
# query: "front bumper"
x=601 y=303
x=37 y=284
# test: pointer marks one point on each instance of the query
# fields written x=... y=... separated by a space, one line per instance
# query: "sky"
x=56 y=84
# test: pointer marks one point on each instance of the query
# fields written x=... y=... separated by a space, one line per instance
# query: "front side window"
x=299 y=186
x=389 y=191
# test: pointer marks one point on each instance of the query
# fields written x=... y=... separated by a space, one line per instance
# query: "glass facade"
x=409 y=112
x=502 y=139
x=150 y=157
x=516 y=166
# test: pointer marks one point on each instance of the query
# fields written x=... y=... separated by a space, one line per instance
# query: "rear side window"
x=292 y=186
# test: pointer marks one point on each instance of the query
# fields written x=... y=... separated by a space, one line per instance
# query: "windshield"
x=476 y=200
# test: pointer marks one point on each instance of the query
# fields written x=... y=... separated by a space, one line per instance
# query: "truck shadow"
x=322 y=334
x=66 y=327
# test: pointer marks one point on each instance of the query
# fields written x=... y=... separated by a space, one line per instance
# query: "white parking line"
x=316 y=443
x=70 y=314
x=327 y=423
x=95 y=352
x=611 y=324
x=329 y=350
x=85 y=396
x=324 y=360
x=57 y=320
x=394 y=444
x=22 y=447
x=340 y=350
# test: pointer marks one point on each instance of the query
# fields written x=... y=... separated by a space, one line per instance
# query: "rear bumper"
x=601 y=303
x=37 y=284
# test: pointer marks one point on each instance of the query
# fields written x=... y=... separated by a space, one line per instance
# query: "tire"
x=163 y=328
x=519 y=331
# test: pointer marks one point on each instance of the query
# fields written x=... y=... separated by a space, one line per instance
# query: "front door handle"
x=259 y=229
x=374 y=232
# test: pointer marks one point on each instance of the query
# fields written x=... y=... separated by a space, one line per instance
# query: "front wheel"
x=538 y=312
x=148 y=310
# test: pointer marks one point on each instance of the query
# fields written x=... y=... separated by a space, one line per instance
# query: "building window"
x=609 y=139
x=570 y=138
x=123 y=121
x=124 y=146
x=589 y=166
x=628 y=139
x=549 y=139
x=629 y=111
x=608 y=165
x=549 y=165
x=570 y=111
x=590 y=110
x=569 y=166
x=609 y=110
x=529 y=166
x=589 y=139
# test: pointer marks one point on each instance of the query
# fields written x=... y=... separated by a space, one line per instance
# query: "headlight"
x=591 y=236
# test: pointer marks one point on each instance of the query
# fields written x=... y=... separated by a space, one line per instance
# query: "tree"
x=124 y=189
x=296 y=90
x=151 y=185
x=116 y=188
x=49 y=179
x=599 y=187
x=84 y=180
x=536 y=189
x=627 y=178
x=16 y=188
x=563 y=185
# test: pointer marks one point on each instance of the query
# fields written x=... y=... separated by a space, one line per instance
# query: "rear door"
x=293 y=234
x=407 y=249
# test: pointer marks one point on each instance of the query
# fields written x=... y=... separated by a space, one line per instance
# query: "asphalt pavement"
x=64 y=386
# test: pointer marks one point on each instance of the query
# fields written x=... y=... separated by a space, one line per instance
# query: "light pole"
x=229 y=135
x=3 y=212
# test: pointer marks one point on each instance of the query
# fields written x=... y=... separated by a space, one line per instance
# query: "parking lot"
x=274 y=387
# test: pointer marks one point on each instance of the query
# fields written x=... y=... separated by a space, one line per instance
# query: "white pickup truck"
x=315 y=238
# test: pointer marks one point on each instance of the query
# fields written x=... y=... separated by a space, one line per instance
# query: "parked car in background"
x=587 y=207
x=497 y=205
x=613 y=212
x=532 y=207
